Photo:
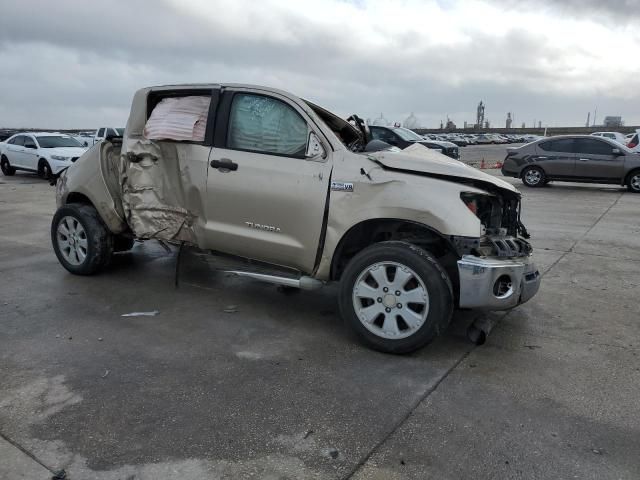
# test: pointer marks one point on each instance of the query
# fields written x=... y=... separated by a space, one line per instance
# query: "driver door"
x=266 y=196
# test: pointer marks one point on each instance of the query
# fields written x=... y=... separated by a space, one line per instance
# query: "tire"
x=44 y=169
x=122 y=243
x=633 y=181
x=6 y=167
x=533 y=177
x=384 y=328
x=88 y=230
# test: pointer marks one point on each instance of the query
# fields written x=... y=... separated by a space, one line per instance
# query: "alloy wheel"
x=390 y=300
x=72 y=240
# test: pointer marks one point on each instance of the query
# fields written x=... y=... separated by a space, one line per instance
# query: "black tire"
x=44 y=169
x=122 y=243
x=633 y=181
x=6 y=167
x=533 y=177
x=429 y=271
x=99 y=241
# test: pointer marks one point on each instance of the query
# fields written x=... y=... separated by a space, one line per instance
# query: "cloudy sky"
x=76 y=64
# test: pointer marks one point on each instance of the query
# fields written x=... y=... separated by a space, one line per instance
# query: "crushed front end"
x=496 y=270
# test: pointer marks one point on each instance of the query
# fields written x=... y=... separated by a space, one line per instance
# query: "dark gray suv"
x=575 y=158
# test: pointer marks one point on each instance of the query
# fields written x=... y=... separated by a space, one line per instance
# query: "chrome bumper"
x=496 y=284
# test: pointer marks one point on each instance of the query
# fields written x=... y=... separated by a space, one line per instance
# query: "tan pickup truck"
x=300 y=197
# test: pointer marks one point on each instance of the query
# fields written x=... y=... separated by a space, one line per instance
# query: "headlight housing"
x=60 y=158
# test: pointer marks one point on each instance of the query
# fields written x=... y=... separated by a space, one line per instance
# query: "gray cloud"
x=70 y=66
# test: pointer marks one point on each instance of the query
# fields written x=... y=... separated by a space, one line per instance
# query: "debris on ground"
x=105 y=374
x=59 y=475
x=141 y=314
x=333 y=453
x=231 y=309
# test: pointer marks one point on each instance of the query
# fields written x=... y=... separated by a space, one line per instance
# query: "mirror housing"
x=85 y=143
x=314 y=147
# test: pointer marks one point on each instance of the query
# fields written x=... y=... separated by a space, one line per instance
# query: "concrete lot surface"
x=235 y=379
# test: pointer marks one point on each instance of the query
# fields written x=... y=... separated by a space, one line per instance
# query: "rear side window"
x=562 y=145
x=266 y=125
x=592 y=146
x=100 y=133
x=19 y=140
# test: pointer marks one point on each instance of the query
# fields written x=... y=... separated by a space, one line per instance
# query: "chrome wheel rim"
x=390 y=300
x=635 y=182
x=533 y=176
x=72 y=240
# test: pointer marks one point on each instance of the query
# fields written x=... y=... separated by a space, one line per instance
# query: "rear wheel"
x=395 y=297
x=80 y=240
x=6 y=167
x=534 y=177
x=633 y=181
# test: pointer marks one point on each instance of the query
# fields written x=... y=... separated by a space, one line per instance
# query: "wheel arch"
x=372 y=231
x=77 y=197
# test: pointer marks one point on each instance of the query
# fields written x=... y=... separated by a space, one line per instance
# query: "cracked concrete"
x=276 y=390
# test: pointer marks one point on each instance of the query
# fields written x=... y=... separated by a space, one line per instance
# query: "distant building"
x=480 y=114
x=613 y=122
x=450 y=125
x=509 y=120
x=410 y=122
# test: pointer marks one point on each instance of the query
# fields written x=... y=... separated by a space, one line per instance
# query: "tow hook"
x=479 y=330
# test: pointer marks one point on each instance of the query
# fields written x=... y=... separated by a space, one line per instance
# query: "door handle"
x=224 y=165
x=583 y=159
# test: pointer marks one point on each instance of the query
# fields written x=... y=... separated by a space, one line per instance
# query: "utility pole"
x=594 y=116
x=588 y=119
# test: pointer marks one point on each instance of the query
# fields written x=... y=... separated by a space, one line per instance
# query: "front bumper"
x=496 y=284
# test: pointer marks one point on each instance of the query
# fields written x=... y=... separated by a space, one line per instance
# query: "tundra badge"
x=259 y=226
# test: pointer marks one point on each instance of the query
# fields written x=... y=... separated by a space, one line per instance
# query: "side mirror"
x=85 y=143
x=30 y=146
x=314 y=147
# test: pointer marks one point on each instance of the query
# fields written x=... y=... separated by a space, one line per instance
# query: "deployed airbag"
x=178 y=118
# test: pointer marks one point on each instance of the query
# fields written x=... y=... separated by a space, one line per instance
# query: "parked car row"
x=464 y=139
x=574 y=158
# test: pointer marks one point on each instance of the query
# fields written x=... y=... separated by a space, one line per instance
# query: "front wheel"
x=534 y=177
x=80 y=240
x=44 y=170
x=395 y=297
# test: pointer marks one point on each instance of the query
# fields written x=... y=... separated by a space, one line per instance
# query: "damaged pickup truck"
x=300 y=197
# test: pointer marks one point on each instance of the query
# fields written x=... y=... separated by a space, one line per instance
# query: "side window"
x=381 y=134
x=266 y=125
x=562 y=145
x=29 y=142
x=19 y=140
x=100 y=133
x=592 y=146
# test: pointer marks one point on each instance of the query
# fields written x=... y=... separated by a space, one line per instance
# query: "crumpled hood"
x=419 y=159
x=66 y=151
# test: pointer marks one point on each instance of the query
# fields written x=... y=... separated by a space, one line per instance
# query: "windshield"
x=120 y=131
x=407 y=134
x=55 y=142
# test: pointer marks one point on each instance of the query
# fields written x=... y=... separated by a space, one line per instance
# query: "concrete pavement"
x=233 y=379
